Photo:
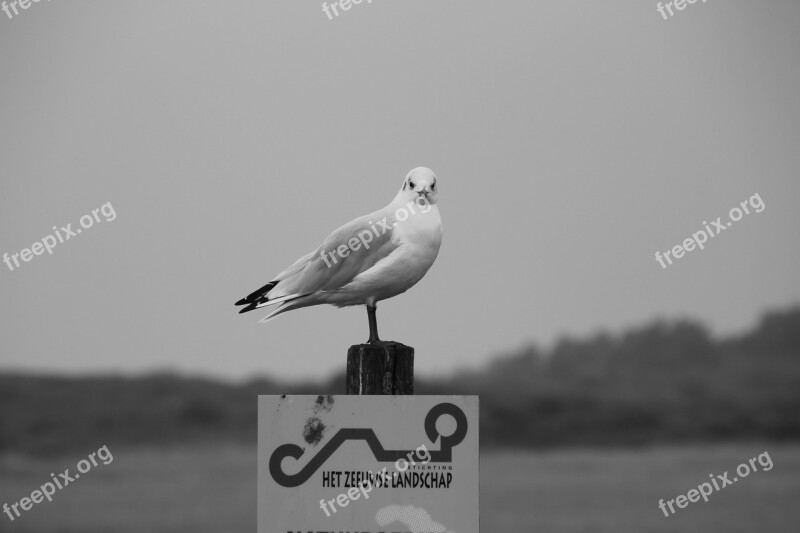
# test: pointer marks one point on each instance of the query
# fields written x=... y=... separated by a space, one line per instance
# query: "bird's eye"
x=411 y=184
x=433 y=187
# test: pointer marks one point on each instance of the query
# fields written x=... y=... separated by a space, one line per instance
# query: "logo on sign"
x=443 y=455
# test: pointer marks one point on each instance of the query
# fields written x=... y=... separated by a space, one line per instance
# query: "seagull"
x=369 y=259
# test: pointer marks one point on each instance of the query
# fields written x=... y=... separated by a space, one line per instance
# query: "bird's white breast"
x=419 y=237
x=423 y=229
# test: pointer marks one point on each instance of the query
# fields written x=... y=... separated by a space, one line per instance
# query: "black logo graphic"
x=443 y=455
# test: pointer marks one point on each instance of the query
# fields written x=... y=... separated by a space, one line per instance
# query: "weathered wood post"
x=385 y=367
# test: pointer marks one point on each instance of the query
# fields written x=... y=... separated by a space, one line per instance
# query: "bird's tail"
x=260 y=298
x=295 y=302
x=281 y=309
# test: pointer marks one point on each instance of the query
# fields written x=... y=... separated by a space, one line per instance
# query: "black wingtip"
x=253 y=299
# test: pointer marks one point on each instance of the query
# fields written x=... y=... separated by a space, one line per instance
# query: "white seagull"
x=369 y=259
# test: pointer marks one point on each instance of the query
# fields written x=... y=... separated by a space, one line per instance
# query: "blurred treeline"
x=663 y=383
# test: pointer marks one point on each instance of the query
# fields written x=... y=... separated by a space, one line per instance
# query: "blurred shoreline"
x=665 y=383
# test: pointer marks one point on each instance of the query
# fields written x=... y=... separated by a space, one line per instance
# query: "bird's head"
x=420 y=185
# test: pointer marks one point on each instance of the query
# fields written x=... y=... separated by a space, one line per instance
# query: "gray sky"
x=571 y=140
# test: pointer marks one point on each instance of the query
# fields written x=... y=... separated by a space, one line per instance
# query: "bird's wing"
x=296 y=266
x=347 y=252
x=362 y=243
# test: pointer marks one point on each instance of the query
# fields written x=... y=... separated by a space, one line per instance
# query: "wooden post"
x=386 y=367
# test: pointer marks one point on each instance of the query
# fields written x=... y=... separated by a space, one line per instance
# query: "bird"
x=369 y=259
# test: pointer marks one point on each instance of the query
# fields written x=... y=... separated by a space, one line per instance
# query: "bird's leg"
x=373 y=325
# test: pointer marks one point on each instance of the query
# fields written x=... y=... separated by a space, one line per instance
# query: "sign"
x=368 y=464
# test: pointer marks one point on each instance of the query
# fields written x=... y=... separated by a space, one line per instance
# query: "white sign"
x=368 y=464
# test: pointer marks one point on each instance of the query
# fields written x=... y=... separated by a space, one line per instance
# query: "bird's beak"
x=424 y=192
